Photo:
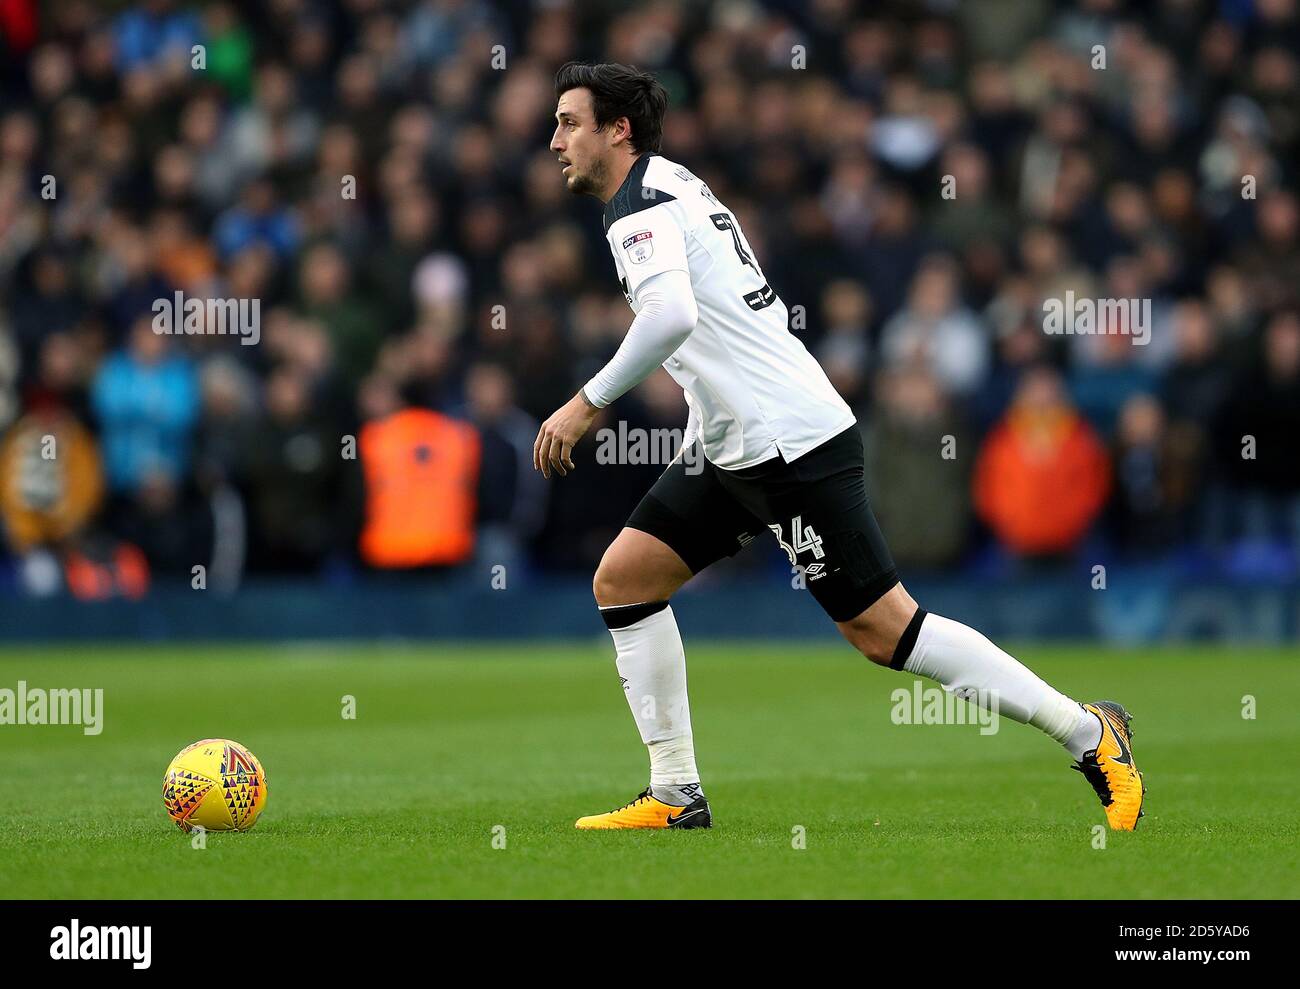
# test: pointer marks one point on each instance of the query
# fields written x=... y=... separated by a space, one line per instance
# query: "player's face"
x=581 y=148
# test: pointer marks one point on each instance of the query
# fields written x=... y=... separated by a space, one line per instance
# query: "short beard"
x=591 y=183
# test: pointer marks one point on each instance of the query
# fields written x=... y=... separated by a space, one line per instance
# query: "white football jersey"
x=753 y=389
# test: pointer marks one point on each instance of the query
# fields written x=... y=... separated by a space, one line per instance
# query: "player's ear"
x=622 y=131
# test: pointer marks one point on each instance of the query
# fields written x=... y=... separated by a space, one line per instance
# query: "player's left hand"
x=553 y=449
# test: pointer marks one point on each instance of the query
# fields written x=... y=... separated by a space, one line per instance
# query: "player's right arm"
x=650 y=249
x=667 y=316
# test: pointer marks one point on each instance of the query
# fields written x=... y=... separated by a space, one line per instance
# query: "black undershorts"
x=816 y=506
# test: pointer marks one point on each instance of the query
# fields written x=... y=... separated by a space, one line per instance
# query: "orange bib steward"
x=421 y=473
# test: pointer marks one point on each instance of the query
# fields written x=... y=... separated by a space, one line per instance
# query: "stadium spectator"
x=917 y=448
x=421 y=473
x=845 y=348
x=1156 y=465
x=326 y=296
x=173 y=527
x=512 y=497
x=51 y=480
x=1041 y=475
x=257 y=219
x=1261 y=418
x=146 y=400
x=153 y=32
x=936 y=331
x=302 y=501
x=46 y=302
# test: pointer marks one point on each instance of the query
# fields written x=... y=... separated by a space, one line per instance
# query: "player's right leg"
x=685 y=523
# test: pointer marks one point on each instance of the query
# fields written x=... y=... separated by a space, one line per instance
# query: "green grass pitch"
x=450 y=741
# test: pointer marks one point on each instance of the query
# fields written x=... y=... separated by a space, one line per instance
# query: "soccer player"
x=781 y=451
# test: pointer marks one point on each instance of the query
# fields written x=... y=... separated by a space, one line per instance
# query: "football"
x=215 y=784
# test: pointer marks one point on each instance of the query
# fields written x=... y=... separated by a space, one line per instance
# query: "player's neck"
x=618 y=172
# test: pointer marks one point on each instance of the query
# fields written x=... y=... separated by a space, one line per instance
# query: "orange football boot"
x=647 y=812
x=1110 y=767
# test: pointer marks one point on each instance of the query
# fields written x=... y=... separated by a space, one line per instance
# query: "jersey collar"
x=623 y=201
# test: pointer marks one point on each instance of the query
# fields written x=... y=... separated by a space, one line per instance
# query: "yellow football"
x=215 y=784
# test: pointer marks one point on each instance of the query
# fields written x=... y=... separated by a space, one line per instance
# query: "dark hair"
x=620 y=91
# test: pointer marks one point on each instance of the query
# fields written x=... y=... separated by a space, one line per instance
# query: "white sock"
x=652 y=665
x=1086 y=737
x=967 y=664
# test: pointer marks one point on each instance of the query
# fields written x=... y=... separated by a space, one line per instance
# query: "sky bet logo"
x=76 y=943
x=640 y=246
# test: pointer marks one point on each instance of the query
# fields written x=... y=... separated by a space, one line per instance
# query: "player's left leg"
x=817 y=506
x=893 y=631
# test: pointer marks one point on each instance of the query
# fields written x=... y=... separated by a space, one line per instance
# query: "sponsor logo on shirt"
x=639 y=246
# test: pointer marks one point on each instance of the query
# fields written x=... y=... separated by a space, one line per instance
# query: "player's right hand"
x=553 y=448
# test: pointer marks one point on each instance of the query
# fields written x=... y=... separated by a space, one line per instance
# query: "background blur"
x=376 y=174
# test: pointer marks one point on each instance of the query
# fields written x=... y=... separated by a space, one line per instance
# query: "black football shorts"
x=815 y=506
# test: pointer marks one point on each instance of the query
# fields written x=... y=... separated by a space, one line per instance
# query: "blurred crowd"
x=916 y=178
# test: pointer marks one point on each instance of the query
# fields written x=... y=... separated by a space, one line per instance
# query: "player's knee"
x=615 y=582
x=869 y=639
x=637 y=568
x=602 y=586
x=877 y=631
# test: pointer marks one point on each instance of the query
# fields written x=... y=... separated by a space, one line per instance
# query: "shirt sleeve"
x=648 y=243
x=667 y=317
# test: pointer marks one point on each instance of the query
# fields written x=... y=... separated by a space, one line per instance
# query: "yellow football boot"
x=647 y=812
x=1110 y=767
